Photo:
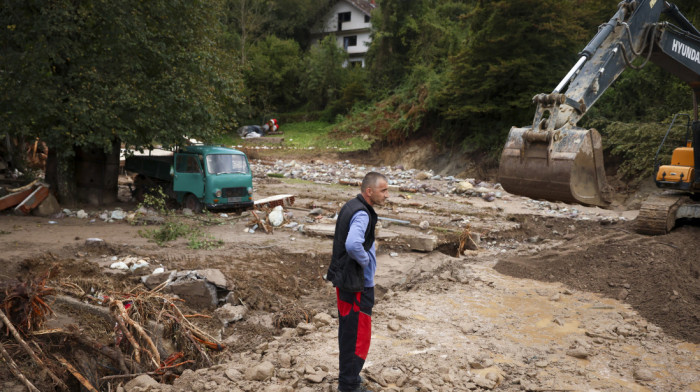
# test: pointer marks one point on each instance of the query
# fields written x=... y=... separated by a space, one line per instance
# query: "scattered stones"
x=578 y=353
x=643 y=374
x=322 y=319
x=305 y=328
x=393 y=325
x=228 y=313
x=261 y=372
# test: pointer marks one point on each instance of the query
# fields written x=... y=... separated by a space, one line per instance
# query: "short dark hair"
x=371 y=179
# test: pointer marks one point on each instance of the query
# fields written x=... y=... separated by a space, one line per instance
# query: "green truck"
x=197 y=177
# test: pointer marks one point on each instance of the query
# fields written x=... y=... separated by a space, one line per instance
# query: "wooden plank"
x=33 y=200
x=13 y=199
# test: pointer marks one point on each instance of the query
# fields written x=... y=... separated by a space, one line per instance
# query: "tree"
x=325 y=75
x=514 y=51
x=272 y=75
x=85 y=75
x=248 y=19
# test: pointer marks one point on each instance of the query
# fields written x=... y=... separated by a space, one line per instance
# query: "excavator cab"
x=553 y=159
x=679 y=173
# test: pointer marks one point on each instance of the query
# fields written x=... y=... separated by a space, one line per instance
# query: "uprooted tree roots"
x=150 y=336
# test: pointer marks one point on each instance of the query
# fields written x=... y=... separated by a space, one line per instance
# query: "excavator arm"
x=554 y=159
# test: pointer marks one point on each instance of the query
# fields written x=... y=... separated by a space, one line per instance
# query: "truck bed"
x=150 y=166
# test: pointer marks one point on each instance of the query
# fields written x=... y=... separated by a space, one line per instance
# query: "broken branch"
x=31 y=352
x=15 y=370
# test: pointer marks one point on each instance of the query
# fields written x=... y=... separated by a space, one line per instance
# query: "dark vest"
x=345 y=272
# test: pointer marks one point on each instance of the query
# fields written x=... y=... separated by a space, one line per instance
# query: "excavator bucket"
x=558 y=165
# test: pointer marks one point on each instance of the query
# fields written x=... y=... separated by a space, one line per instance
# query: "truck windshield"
x=226 y=163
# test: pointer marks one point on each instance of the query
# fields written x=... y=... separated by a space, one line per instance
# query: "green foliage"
x=199 y=240
x=320 y=135
x=86 y=73
x=169 y=231
x=413 y=33
x=324 y=74
x=174 y=229
x=636 y=145
x=272 y=75
x=157 y=200
x=510 y=56
x=399 y=116
x=628 y=100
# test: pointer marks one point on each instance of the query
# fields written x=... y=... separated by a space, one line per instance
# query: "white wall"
x=363 y=41
x=357 y=18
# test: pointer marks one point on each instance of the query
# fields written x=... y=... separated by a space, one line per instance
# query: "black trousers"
x=354 y=333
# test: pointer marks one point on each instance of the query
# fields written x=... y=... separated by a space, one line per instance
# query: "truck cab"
x=212 y=177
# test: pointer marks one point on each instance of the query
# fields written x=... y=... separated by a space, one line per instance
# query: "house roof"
x=366 y=6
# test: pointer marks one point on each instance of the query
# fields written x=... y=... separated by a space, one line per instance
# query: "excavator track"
x=657 y=215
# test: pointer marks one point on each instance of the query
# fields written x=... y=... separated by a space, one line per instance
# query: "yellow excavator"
x=553 y=159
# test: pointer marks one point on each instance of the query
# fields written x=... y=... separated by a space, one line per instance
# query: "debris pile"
x=150 y=335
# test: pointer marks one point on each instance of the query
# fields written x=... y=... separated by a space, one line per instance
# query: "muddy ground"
x=556 y=297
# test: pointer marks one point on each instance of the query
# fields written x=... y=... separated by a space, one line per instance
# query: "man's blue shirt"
x=354 y=245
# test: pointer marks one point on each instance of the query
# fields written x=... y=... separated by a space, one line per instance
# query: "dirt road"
x=556 y=297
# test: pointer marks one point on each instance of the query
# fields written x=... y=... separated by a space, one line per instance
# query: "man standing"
x=352 y=269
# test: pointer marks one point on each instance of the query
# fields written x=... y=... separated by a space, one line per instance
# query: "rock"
x=424 y=225
x=394 y=325
x=94 y=242
x=485 y=382
x=391 y=374
x=156 y=279
x=215 y=277
x=305 y=328
x=423 y=176
x=322 y=319
x=420 y=242
x=138 y=265
x=47 y=207
x=118 y=215
x=643 y=374
x=228 y=313
x=119 y=265
x=142 y=382
x=467 y=328
x=285 y=360
x=316 y=212
x=233 y=374
x=315 y=378
x=578 y=352
x=463 y=187
x=81 y=214
x=260 y=372
x=555 y=298
x=187 y=212
x=276 y=217
x=197 y=293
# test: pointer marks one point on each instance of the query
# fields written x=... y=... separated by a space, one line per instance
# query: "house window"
x=343 y=17
x=349 y=41
x=366 y=18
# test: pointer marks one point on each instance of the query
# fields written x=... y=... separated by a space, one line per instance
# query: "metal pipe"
x=592 y=46
x=571 y=73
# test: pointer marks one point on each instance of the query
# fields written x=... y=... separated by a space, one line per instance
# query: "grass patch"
x=172 y=230
x=313 y=135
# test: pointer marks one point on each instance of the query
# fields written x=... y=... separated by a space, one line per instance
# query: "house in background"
x=349 y=21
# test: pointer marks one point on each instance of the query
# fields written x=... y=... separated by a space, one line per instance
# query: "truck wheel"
x=192 y=203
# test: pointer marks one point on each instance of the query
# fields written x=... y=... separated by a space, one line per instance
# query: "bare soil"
x=550 y=300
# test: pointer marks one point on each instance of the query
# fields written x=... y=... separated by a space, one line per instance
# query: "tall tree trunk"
x=60 y=175
x=89 y=176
